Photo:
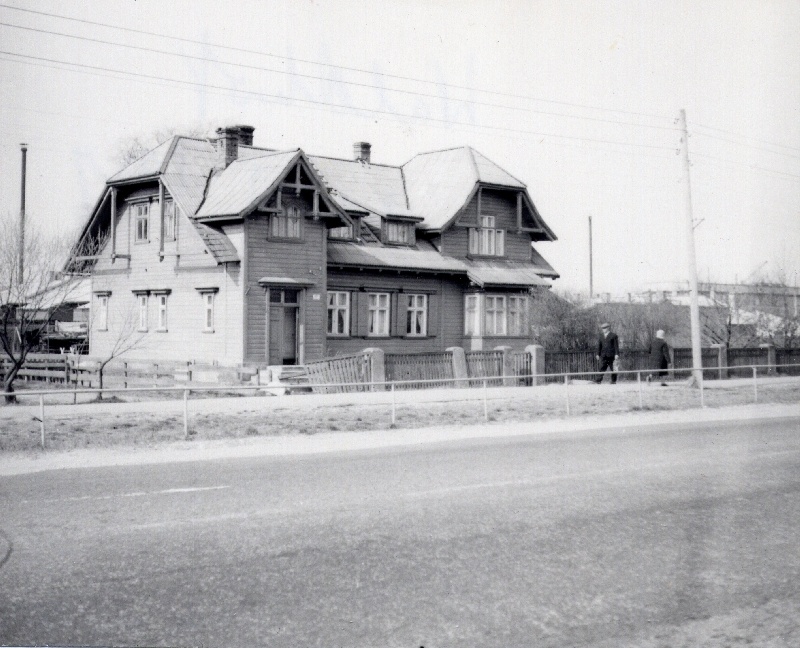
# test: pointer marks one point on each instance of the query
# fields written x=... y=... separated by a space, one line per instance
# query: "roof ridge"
x=444 y=150
x=168 y=156
x=511 y=175
x=339 y=159
x=471 y=153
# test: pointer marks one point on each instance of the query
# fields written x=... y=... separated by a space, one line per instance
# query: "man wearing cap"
x=607 y=352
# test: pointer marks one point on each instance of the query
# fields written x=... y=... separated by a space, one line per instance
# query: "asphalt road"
x=605 y=538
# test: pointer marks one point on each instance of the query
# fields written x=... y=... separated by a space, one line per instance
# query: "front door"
x=284 y=305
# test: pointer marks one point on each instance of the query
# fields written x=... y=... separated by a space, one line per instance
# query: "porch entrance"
x=284 y=306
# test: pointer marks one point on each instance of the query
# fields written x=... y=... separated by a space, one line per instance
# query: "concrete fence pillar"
x=536 y=351
x=722 y=360
x=509 y=379
x=460 y=372
x=377 y=368
x=771 y=360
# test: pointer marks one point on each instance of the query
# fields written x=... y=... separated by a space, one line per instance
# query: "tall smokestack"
x=21 y=270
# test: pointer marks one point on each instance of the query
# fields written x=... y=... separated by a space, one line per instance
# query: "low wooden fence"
x=785 y=357
x=420 y=366
x=45 y=367
x=345 y=373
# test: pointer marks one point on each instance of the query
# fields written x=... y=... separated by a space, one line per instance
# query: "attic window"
x=486 y=240
x=398 y=233
x=141 y=215
x=286 y=224
x=342 y=233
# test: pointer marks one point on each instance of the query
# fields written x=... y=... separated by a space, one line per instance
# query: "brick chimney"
x=228 y=140
x=361 y=151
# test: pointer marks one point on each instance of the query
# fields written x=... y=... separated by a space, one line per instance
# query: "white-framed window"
x=338 y=312
x=416 y=315
x=162 y=312
x=517 y=311
x=487 y=240
x=141 y=219
x=102 y=312
x=472 y=312
x=170 y=218
x=341 y=233
x=208 y=312
x=287 y=224
x=378 y=313
x=141 y=299
x=399 y=233
x=494 y=319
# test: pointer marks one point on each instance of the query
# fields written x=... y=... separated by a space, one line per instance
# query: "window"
x=142 y=300
x=500 y=315
x=378 y=313
x=486 y=240
x=399 y=233
x=494 y=320
x=169 y=220
x=417 y=315
x=472 y=315
x=162 y=313
x=141 y=215
x=102 y=313
x=345 y=233
x=338 y=312
x=208 y=306
x=516 y=315
x=287 y=224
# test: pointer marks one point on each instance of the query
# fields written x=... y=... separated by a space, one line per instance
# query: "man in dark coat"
x=659 y=357
x=607 y=352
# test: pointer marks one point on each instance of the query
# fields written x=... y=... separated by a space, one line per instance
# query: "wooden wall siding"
x=304 y=261
x=186 y=266
x=501 y=205
x=444 y=293
x=184 y=338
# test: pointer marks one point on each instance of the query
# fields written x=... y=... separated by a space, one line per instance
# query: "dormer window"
x=486 y=240
x=286 y=225
x=398 y=233
x=341 y=233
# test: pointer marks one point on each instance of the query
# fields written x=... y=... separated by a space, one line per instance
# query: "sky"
x=580 y=100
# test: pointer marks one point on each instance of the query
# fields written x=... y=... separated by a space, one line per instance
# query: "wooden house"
x=222 y=251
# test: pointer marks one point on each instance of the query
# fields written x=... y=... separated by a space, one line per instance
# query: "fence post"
x=755 y=385
x=639 y=387
x=41 y=416
x=485 y=404
x=459 y=366
x=566 y=392
x=770 y=349
x=536 y=352
x=394 y=407
x=186 y=413
x=377 y=368
x=722 y=360
x=509 y=380
x=125 y=374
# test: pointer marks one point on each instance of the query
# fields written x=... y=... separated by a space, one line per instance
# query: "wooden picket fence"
x=420 y=366
x=351 y=369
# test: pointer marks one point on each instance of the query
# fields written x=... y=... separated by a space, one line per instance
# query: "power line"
x=722 y=130
x=329 y=80
x=138 y=75
x=750 y=146
x=329 y=65
x=745 y=165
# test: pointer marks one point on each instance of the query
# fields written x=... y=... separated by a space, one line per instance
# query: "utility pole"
x=21 y=254
x=591 y=278
x=694 y=308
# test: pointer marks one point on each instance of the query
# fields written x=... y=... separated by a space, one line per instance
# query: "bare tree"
x=562 y=322
x=132 y=149
x=126 y=337
x=29 y=296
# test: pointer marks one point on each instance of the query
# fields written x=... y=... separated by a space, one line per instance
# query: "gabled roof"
x=439 y=183
x=244 y=183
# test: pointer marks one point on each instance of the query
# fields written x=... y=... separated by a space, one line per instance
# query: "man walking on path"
x=659 y=357
x=607 y=352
